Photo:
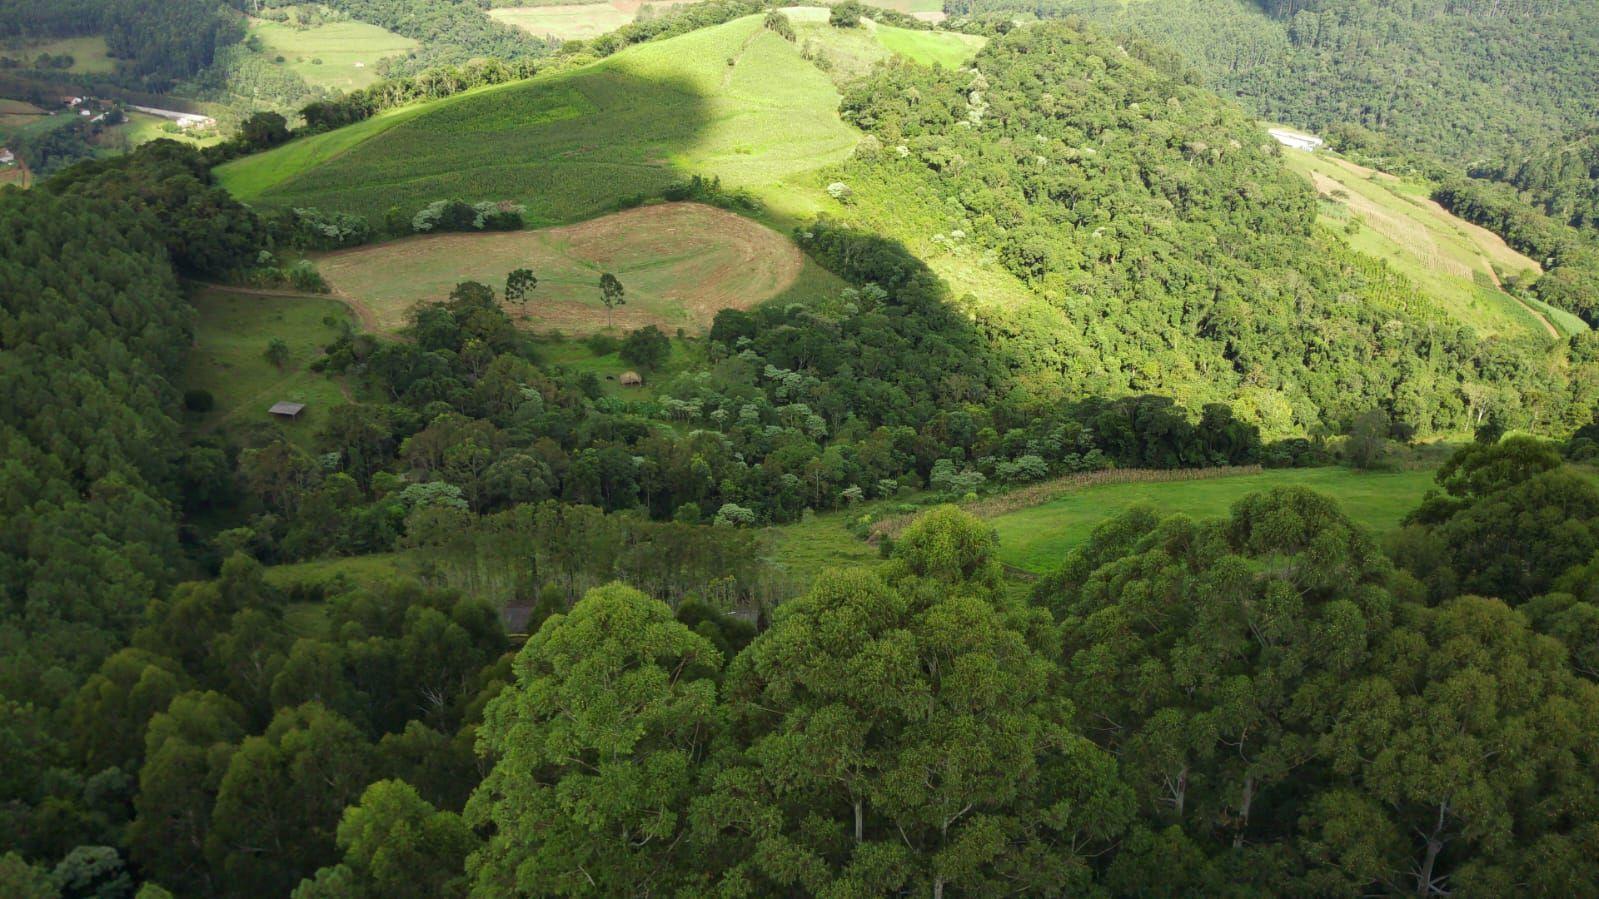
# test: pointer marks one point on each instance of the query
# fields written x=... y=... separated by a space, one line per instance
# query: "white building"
x=1296 y=140
x=7 y=157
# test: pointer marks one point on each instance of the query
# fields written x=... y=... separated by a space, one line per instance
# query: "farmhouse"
x=287 y=410
x=1296 y=140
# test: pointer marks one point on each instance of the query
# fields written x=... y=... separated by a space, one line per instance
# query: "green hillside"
x=736 y=101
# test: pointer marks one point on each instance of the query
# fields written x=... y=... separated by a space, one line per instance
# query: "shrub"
x=198 y=400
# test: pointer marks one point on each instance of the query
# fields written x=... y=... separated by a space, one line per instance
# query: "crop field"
x=679 y=262
x=231 y=336
x=577 y=21
x=1450 y=260
x=337 y=55
x=735 y=101
x=1038 y=538
x=89 y=54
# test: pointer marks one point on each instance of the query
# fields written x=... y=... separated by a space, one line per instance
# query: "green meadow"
x=1036 y=539
x=89 y=54
x=337 y=55
x=734 y=101
x=232 y=331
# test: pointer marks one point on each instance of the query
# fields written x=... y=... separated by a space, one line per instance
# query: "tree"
x=277 y=353
x=907 y=736
x=263 y=130
x=595 y=750
x=396 y=845
x=611 y=295
x=1459 y=746
x=519 y=284
x=1208 y=657
x=846 y=14
x=646 y=348
x=1368 y=439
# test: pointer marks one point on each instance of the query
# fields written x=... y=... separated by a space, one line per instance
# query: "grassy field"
x=1450 y=260
x=848 y=54
x=231 y=336
x=141 y=128
x=577 y=21
x=338 y=55
x=89 y=54
x=1038 y=538
x=734 y=100
x=680 y=263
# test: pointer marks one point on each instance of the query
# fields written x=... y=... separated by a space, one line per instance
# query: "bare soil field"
x=680 y=263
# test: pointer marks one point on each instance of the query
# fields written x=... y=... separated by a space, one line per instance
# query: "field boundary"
x=1051 y=490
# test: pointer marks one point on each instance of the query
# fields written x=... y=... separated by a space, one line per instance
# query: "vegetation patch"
x=578 y=21
x=232 y=364
x=679 y=264
x=1453 y=261
x=335 y=55
x=735 y=101
x=89 y=55
x=1037 y=539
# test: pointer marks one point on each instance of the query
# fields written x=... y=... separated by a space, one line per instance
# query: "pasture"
x=577 y=21
x=231 y=335
x=735 y=101
x=1450 y=260
x=89 y=54
x=1036 y=539
x=848 y=54
x=679 y=262
x=340 y=56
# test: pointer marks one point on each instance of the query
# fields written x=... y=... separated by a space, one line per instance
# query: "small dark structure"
x=290 y=411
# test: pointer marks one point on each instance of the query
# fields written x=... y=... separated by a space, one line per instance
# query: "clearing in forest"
x=1455 y=263
x=679 y=263
x=229 y=361
x=339 y=56
x=578 y=21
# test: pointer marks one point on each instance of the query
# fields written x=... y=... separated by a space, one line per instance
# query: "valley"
x=721 y=448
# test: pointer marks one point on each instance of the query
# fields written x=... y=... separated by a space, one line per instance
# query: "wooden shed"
x=287 y=410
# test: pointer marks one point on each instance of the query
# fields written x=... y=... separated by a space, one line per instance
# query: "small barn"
x=290 y=411
x=631 y=379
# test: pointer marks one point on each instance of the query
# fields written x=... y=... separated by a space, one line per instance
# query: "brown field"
x=679 y=262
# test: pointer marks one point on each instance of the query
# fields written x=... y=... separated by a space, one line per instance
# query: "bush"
x=646 y=348
x=845 y=15
x=601 y=344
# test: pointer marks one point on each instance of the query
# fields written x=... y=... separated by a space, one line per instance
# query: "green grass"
x=89 y=54
x=231 y=335
x=945 y=48
x=357 y=569
x=566 y=22
x=569 y=145
x=349 y=51
x=1449 y=260
x=1038 y=538
x=141 y=128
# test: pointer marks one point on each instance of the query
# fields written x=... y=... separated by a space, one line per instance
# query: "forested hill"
x=1562 y=178
x=1159 y=244
x=1464 y=80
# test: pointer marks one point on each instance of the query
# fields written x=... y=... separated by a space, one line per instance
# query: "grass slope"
x=231 y=336
x=1450 y=260
x=735 y=101
x=1038 y=538
x=577 y=21
x=89 y=54
x=338 y=55
x=680 y=264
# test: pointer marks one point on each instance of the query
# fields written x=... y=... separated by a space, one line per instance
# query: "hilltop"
x=735 y=101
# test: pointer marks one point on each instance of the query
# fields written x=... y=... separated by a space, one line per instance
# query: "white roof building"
x=1296 y=139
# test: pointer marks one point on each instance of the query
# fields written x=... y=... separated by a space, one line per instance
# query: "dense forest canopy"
x=557 y=699
x=1165 y=245
x=1464 y=80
